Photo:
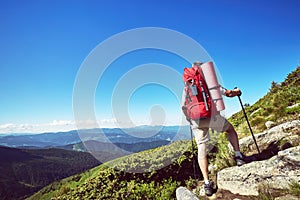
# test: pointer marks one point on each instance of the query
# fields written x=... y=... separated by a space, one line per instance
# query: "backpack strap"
x=204 y=95
x=215 y=87
x=187 y=95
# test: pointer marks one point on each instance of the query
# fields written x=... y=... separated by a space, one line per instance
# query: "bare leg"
x=233 y=138
x=202 y=159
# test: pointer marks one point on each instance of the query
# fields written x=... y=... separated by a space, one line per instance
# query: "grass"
x=265 y=192
x=65 y=185
x=99 y=182
x=278 y=105
x=295 y=188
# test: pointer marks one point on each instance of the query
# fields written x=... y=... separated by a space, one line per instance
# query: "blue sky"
x=44 y=43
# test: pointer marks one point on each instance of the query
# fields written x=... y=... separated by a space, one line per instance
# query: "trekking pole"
x=194 y=166
x=248 y=122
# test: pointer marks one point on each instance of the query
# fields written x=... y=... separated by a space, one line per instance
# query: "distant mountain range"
x=106 y=135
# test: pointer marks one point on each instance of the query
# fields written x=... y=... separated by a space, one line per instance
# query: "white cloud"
x=6 y=126
x=68 y=125
x=55 y=126
x=61 y=122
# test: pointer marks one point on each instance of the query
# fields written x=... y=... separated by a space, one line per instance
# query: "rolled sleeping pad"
x=213 y=85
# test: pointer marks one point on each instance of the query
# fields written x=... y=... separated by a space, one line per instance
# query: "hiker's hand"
x=233 y=93
x=237 y=92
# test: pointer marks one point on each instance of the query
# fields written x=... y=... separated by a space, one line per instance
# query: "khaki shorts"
x=200 y=127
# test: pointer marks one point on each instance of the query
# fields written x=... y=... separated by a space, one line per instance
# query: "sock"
x=238 y=154
x=206 y=181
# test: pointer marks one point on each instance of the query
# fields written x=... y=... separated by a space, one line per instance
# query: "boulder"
x=183 y=193
x=276 y=172
x=273 y=135
x=270 y=124
x=287 y=197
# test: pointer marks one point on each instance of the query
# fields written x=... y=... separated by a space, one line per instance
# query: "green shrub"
x=63 y=190
x=264 y=192
x=191 y=183
x=295 y=188
x=258 y=120
x=267 y=111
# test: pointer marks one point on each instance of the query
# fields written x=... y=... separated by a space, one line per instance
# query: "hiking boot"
x=241 y=160
x=208 y=188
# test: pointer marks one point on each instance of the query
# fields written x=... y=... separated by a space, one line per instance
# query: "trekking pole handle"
x=235 y=89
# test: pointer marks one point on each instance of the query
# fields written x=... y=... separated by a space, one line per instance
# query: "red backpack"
x=198 y=101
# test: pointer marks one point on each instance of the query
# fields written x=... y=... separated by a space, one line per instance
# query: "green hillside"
x=25 y=171
x=124 y=178
x=280 y=104
x=119 y=179
x=151 y=174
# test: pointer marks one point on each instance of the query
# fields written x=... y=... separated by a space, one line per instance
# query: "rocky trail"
x=268 y=175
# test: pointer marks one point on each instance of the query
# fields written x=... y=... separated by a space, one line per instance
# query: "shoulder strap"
x=187 y=94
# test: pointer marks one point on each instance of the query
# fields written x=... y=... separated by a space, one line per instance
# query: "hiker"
x=200 y=127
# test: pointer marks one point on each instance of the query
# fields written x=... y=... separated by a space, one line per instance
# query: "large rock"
x=276 y=172
x=183 y=193
x=270 y=124
x=287 y=197
x=268 y=137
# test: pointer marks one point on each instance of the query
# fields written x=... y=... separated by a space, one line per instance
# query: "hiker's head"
x=197 y=64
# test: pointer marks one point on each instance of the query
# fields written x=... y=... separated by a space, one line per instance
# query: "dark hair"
x=198 y=63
